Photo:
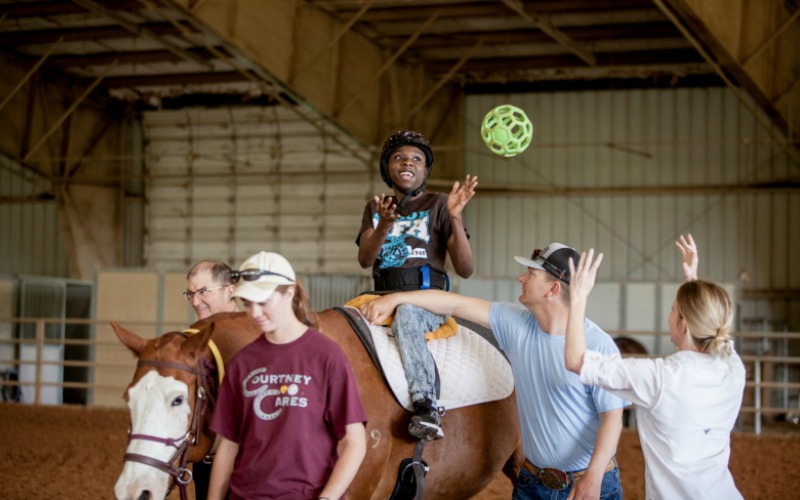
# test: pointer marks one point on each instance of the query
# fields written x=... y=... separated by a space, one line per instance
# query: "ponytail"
x=301 y=305
x=721 y=346
x=708 y=311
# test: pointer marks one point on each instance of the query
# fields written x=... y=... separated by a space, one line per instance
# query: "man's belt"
x=415 y=278
x=557 y=479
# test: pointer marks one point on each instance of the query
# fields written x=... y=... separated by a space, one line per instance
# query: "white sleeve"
x=637 y=380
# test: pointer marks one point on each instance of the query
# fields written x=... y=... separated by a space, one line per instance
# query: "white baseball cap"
x=260 y=275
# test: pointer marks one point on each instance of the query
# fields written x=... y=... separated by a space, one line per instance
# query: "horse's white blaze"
x=159 y=407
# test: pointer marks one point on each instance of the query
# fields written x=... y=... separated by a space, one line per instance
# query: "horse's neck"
x=229 y=342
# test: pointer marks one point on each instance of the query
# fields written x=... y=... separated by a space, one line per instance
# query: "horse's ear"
x=198 y=342
x=132 y=341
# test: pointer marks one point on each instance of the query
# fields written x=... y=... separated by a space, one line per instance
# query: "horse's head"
x=167 y=398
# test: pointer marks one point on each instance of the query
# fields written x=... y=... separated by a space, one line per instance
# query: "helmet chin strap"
x=407 y=195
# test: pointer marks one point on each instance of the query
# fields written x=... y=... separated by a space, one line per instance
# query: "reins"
x=176 y=466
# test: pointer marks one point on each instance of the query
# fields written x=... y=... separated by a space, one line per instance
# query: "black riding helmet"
x=406 y=138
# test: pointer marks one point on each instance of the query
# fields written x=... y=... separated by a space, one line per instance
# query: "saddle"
x=447 y=329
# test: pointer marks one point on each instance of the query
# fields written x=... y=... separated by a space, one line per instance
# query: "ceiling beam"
x=174 y=79
x=721 y=34
x=772 y=37
x=271 y=89
x=393 y=12
x=107 y=32
x=45 y=196
x=29 y=74
x=443 y=80
x=501 y=64
x=585 y=79
x=333 y=41
x=137 y=29
x=388 y=64
x=556 y=34
x=131 y=57
x=586 y=34
x=66 y=114
x=22 y=10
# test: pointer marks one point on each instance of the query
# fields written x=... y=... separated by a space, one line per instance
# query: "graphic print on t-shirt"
x=395 y=251
x=272 y=392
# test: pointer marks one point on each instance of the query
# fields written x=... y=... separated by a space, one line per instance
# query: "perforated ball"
x=506 y=130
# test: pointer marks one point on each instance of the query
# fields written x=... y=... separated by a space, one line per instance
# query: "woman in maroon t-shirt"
x=288 y=400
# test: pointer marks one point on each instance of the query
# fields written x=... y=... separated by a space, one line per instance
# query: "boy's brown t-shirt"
x=418 y=237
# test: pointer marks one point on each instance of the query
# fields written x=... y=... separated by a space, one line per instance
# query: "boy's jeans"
x=409 y=327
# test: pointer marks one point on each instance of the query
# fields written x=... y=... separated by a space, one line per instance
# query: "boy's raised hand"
x=688 y=248
x=386 y=208
x=583 y=276
x=460 y=195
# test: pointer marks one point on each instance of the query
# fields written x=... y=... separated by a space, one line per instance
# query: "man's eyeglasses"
x=200 y=293
x=554 y=270
x=254 y=274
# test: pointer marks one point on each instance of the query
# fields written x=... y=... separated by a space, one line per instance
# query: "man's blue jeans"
x=528 y=488
x=409 y=327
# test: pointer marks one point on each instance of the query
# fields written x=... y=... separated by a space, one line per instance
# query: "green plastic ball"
x=506 y=130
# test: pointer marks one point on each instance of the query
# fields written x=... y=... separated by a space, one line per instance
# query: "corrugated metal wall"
x=599 y=144
x=30 y=232
x=227 y=183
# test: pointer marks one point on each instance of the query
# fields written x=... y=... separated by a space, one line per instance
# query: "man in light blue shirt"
x=569 y=430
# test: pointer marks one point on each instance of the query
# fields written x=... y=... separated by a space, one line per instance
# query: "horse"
x=171 y=402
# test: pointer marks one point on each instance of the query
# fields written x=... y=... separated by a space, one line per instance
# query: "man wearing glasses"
x=569 y=430
x=209 y=289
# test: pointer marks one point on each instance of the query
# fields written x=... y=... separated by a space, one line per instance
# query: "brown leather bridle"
x=176 y=466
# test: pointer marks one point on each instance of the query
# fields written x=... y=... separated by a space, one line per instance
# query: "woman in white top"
x=686 y=403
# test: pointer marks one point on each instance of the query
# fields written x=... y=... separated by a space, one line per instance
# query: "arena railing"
x=757 y=402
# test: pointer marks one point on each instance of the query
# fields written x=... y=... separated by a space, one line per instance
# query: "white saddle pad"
x=471 y=370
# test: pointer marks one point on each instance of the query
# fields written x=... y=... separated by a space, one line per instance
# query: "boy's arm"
x=371 y=240
x=459 y=250
x=458 y=244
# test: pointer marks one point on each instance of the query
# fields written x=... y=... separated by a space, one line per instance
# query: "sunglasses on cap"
x=554 y=270
x=254 y=274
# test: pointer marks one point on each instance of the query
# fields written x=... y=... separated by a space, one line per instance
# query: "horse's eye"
x=177 y=401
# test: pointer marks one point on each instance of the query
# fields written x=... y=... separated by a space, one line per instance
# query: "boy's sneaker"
x=426 y=423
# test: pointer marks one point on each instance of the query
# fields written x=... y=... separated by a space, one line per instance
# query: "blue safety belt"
x=425 y=273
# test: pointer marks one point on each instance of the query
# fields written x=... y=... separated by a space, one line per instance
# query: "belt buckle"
x=554 y=479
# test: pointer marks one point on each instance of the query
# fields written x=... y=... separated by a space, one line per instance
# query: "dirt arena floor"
x=75 y=452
